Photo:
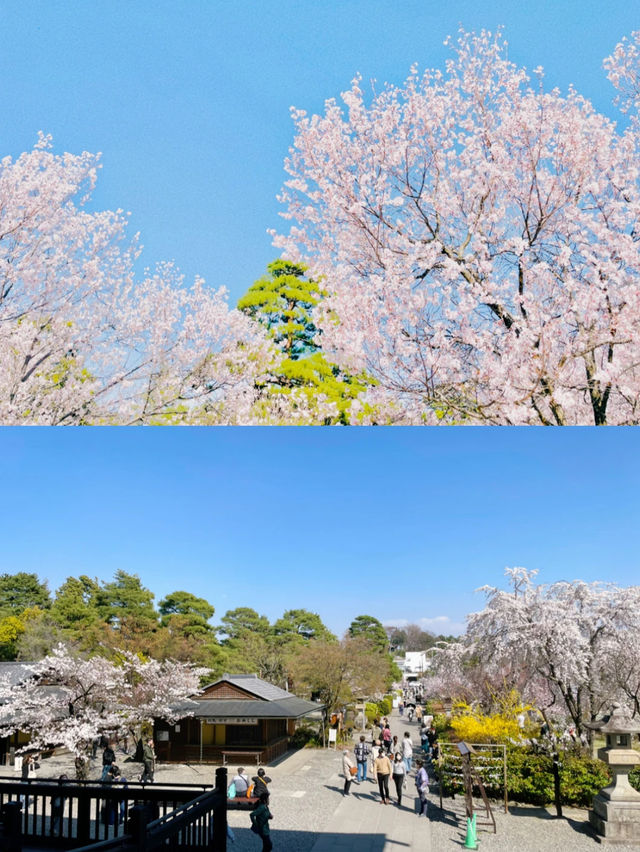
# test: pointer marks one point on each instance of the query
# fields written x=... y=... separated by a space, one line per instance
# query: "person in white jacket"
x=407 y=751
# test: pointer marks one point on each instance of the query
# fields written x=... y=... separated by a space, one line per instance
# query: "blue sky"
x=396 y=523
x=189 y=101
x=189 y=104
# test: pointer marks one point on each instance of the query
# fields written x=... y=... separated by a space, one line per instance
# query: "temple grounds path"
x=311 y=815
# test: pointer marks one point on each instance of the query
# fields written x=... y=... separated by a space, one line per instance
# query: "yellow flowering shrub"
x=474 y=726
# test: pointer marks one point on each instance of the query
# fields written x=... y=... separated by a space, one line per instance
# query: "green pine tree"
x=283 y=301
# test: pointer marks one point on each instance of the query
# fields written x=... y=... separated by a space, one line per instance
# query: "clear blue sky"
x=395 y=523
x=189 y=101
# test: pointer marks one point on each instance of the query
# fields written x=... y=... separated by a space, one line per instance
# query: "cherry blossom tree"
x=477 y=239
x=558 y=644
x=67 y=700
x=83 y=341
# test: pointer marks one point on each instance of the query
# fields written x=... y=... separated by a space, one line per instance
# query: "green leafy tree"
x=40 y=636
x=126 y=598
x=186 y=614
x=371 y=629
x=20 y=591
x=304 y=625
x=339 y=672
x=184 y=603
x=75 y=606
x=236 y=622
x=283 y=301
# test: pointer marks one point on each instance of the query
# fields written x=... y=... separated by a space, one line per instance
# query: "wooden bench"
x=234 y=753
x=242 y=803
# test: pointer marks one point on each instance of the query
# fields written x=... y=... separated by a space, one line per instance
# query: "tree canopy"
x=284 y=301
x=20 y=591
x=477 y=240
x=371 y=629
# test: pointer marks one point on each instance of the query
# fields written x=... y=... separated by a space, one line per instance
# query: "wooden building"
x=239 y=718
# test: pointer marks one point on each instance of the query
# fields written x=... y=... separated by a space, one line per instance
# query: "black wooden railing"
x=80 y=815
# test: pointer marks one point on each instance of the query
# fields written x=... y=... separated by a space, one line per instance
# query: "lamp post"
x=616 y=808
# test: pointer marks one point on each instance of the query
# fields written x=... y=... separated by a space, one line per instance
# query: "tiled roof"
x=14 y=672
x=286 y=708
x=255 y=685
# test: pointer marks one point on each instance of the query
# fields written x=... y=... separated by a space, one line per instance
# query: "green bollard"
x=471 y=841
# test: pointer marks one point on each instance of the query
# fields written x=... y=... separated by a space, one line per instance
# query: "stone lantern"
x=616 y=809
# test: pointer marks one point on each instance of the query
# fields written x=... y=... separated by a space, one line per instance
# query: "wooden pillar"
x=11 y=829
x=219 y=834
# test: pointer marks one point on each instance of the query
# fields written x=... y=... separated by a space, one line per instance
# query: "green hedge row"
x=530 y=778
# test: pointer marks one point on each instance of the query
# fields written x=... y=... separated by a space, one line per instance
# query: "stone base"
x=615 y=821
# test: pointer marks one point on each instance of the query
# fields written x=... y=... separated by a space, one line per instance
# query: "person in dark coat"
x=148 y=761
x=260 y=782
x=108 y=759
x=57 y=808
x=260 y=817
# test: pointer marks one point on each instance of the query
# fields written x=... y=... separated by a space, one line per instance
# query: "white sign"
x=333 y=735
x=233 y=720
x=162 y=736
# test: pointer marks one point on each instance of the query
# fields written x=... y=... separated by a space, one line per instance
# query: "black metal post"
x=556 y=783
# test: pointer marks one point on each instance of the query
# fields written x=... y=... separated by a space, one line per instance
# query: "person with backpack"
x=260 y=782
x=361 y=753
x=260 y=817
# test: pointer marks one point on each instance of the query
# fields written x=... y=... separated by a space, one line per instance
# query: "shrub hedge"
x=530 y=778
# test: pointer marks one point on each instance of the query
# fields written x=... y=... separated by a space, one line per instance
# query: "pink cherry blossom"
x=477 y=239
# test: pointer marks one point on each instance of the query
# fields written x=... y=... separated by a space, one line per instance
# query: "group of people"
x=389 y=758
x=257 y=788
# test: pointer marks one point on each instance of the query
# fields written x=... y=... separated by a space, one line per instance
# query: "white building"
x=414 y=664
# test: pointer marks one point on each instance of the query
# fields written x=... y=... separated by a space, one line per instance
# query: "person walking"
x=422 y=786
x=424 y=739
x=386 y=737
x=347 y=766
x=395 y=746
x=260 y=817
x=57 y=808
x=28 y=773
x=361 y=752
x=398 y=775
x=375 y=751
x=407 y=751
x=119 y=808
x=108 y=758
x=432 y=739
x=260 y=782
x=418 y=714
x=383 y=771
x=148 y=761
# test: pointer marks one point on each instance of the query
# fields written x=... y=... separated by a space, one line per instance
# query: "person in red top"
x=386 y=738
